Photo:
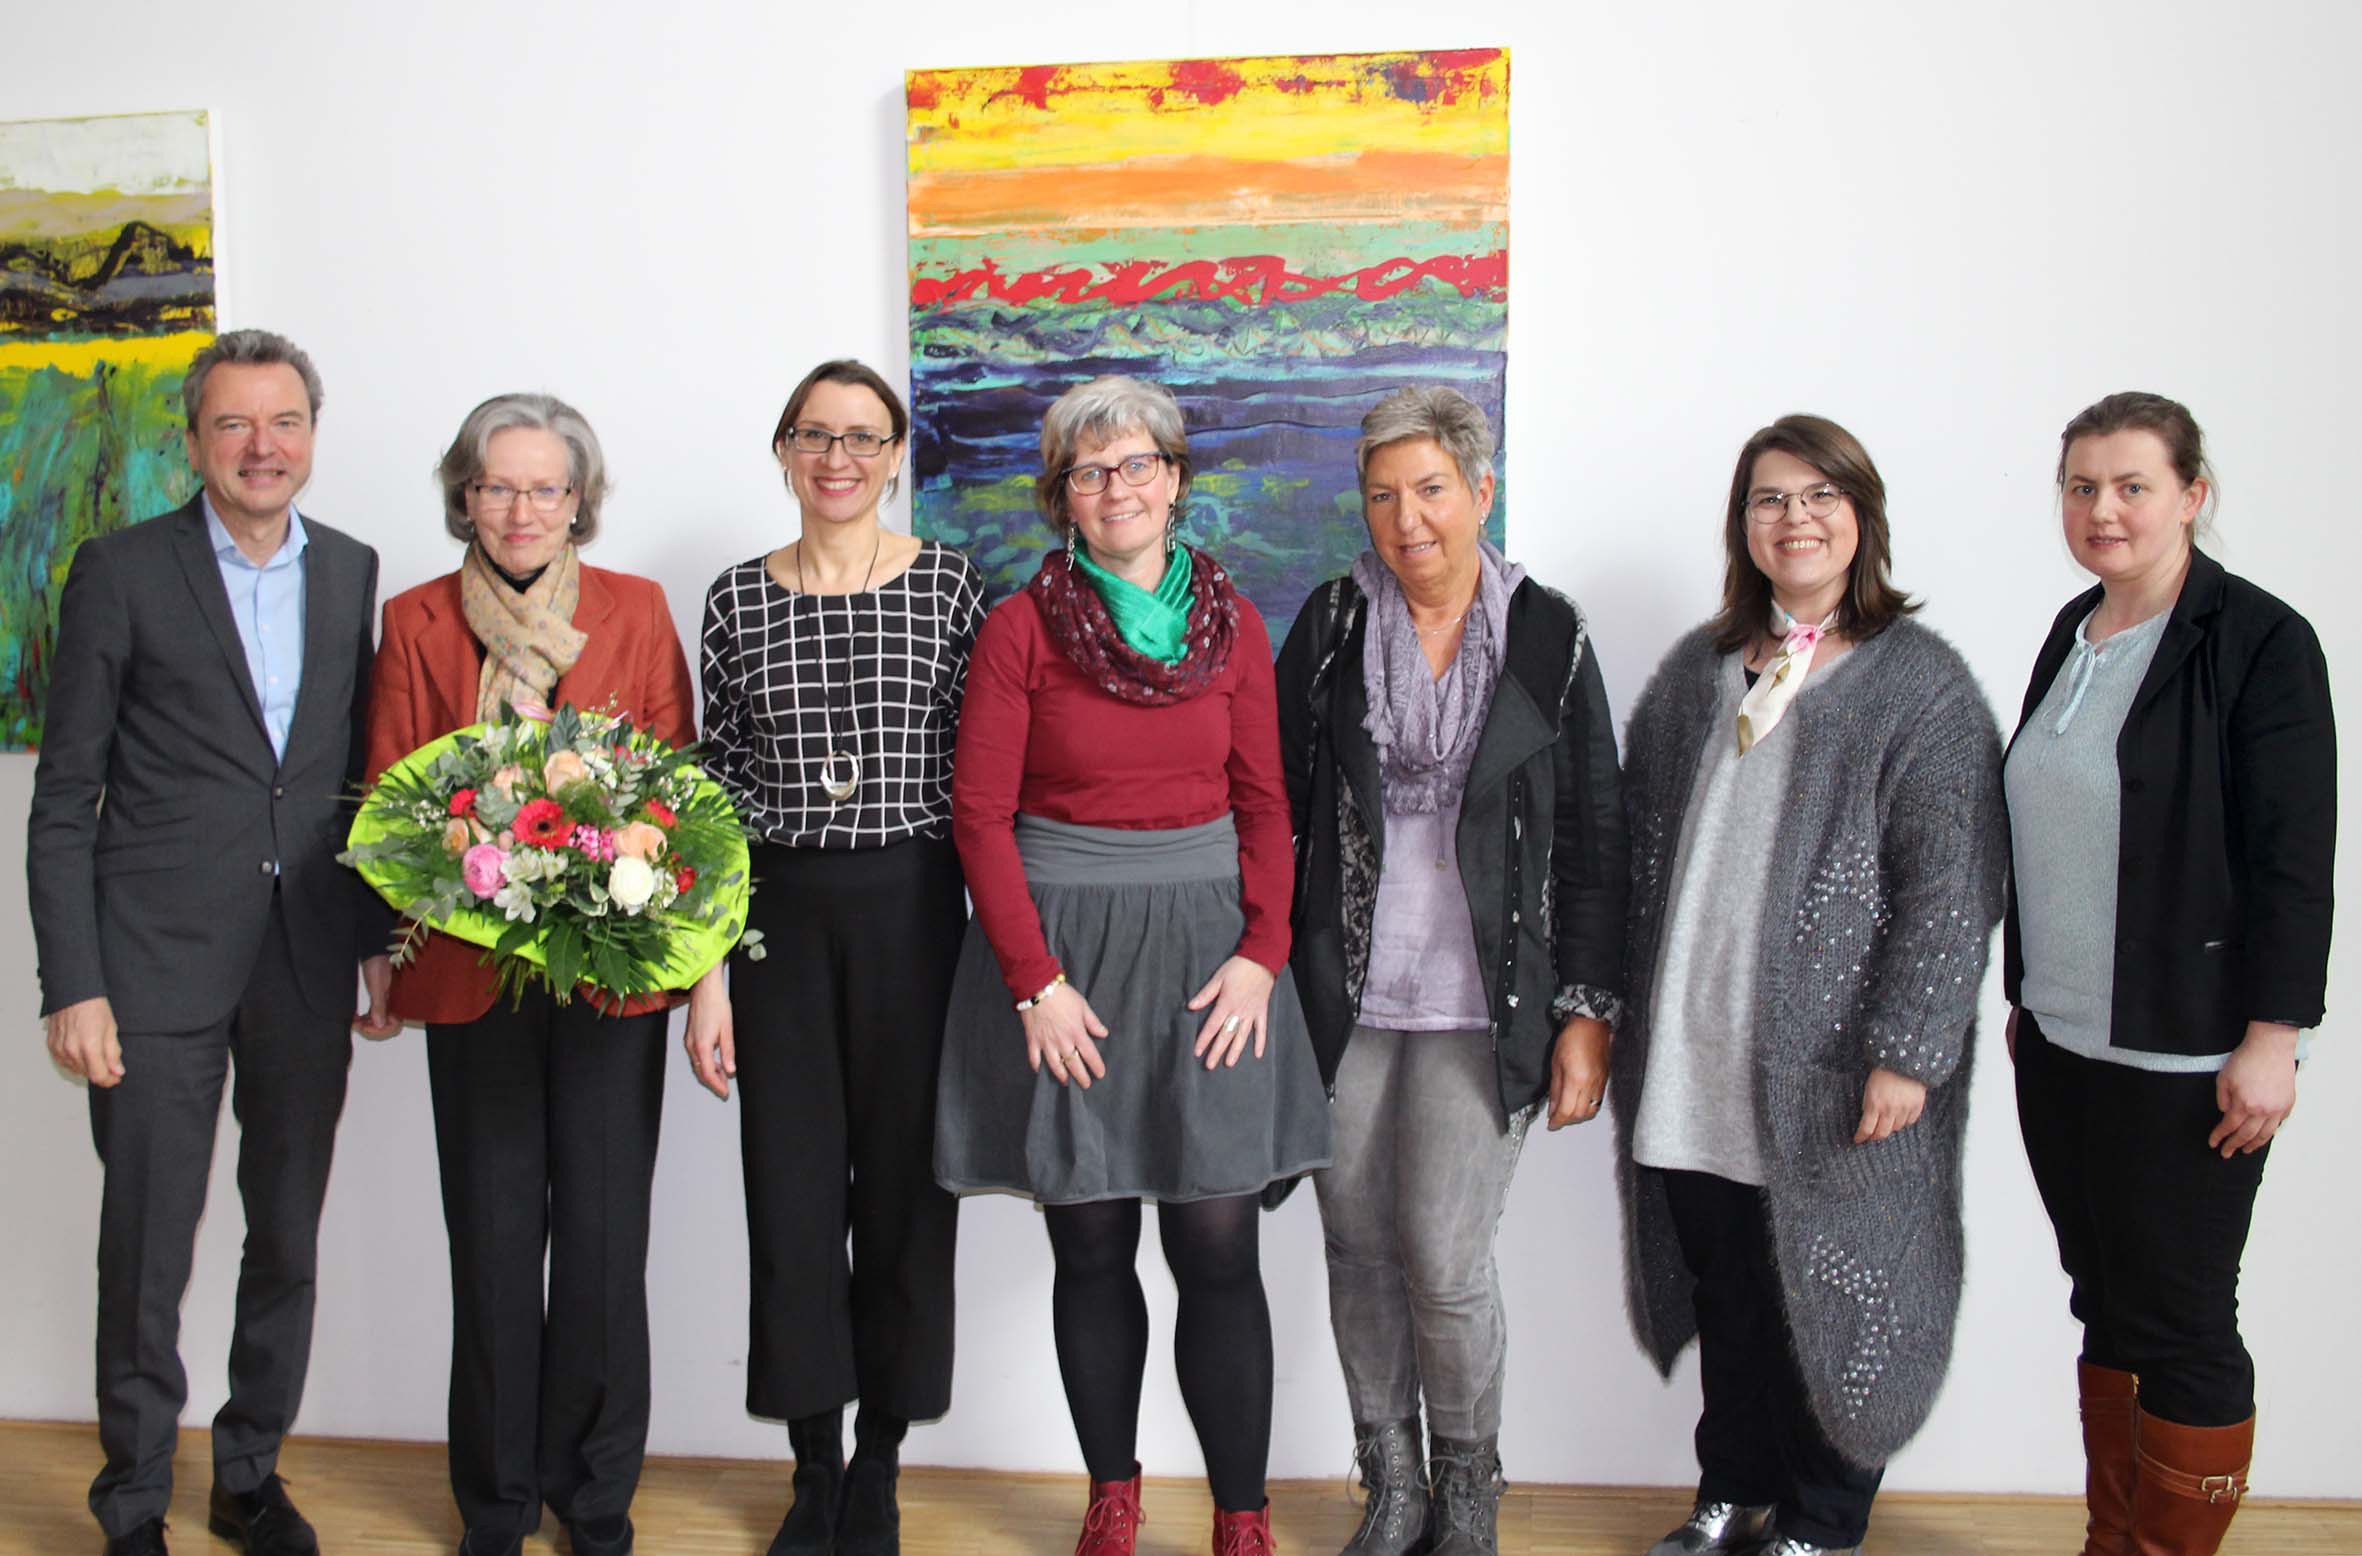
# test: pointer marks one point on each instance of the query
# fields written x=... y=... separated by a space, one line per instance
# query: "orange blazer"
x=424 y=685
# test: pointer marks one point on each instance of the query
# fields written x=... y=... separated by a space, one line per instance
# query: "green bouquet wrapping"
x=573 y=848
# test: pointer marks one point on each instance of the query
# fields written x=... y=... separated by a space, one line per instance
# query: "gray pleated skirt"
x=1139 y=921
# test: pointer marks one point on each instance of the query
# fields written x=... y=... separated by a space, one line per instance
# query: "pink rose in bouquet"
x=481 y=869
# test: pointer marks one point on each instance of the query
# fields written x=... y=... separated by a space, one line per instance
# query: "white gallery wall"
x=1947 y=227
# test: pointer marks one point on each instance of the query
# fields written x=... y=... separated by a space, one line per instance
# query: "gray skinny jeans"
x=1423 y=1162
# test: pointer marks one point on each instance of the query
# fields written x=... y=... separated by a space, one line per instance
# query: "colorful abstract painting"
x=1278 y=241
x=106 y=295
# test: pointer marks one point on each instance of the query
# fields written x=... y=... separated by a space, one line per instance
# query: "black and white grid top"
x=889 y=666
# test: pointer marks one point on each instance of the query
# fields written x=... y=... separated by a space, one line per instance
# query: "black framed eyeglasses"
x=816 y=440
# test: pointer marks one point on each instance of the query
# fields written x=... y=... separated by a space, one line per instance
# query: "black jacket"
x=158 y=898
x=2228 y=771
x=1540 y=838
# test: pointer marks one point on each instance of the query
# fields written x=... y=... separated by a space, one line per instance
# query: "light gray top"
x=2065 y=822
x=1423 y=975
x=1697 y=1110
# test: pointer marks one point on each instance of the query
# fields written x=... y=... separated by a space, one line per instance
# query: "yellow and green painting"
x=1279 y=241
x=106 y=296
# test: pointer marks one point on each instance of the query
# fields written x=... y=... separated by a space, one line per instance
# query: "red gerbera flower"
x=544 y=824
x=463 y=802
x=661 y=814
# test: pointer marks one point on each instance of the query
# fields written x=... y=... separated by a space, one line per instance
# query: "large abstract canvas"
x=106 y=295
x=1278 y=241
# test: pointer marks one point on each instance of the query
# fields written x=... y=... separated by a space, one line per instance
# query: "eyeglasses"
x=1138 y=470
x=816 y=440
x=545 y=499
x=1768 y=507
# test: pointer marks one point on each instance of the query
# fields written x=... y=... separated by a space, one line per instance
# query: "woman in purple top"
x=1459 y=941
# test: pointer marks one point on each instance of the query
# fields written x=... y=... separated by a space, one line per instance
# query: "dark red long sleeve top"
x=1037 y=736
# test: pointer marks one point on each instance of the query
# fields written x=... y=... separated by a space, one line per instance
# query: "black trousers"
x=154 y=1131
x=545 y=1127
x=839 y=1031
x=2151 y=1223
x=1757 y=1440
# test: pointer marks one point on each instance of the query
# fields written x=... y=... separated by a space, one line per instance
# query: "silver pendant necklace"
x=839 y=783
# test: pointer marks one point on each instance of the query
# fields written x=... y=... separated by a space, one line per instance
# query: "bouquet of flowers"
x=574 y=848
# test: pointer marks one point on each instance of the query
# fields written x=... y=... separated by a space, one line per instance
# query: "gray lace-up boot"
x=1394 y=1503
x=1716 y=1526
x=1464 y=1487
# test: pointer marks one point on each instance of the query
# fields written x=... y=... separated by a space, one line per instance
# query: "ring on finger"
x=1230 y=1024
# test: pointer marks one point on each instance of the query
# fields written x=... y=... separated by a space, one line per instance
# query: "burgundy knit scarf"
x=1085 y=633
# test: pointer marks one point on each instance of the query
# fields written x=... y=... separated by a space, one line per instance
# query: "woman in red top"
x=545 y=1114
x=1120 y=814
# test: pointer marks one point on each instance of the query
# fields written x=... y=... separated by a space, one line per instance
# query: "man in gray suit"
x=204 y=740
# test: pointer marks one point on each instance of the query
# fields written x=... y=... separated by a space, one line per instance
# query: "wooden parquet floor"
x=391 y=1499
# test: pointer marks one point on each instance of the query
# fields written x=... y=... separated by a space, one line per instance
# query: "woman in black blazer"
x=2173 y=808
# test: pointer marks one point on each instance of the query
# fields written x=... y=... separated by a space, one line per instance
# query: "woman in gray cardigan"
x=1813 y=791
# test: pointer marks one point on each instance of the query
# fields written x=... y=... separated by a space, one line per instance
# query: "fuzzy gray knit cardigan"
x=1884 y=886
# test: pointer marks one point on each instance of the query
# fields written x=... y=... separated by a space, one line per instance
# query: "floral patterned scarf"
x=528 y=635
x=1086 y=634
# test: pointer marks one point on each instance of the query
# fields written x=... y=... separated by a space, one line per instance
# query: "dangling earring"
x=1071 y=527
x=1172 y=528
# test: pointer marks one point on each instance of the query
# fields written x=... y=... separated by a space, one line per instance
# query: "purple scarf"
x=1426 y=727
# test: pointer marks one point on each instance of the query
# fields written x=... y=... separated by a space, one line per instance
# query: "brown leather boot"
x=2109 y=1409
x=2190 y=1482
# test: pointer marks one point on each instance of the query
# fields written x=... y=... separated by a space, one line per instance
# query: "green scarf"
x=1153 y=625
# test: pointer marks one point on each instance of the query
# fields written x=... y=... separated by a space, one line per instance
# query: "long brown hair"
x=1872 y=603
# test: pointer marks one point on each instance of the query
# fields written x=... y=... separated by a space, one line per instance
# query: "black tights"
x=1221 y=1336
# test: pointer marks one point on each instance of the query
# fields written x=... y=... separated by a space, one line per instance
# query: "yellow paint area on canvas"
x=41 y=213
x=1260 y=109
x=1361 y=187
x=82 y=357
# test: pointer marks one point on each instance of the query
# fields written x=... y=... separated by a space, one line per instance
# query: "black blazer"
x=158 y=898
x=1540 y=840
x=2228 y=767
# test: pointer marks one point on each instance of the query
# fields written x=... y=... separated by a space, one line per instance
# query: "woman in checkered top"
x=833 y=669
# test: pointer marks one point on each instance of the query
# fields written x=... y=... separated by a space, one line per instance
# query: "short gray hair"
x=463 y=461
x=248 y=348
x=1100 y=412
x=1447 y=416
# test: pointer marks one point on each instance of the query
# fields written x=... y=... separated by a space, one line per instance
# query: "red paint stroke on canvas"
x=1257 y=280
x=1208 y=80
x=1032 y=86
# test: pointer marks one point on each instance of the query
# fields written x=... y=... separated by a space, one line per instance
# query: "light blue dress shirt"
x=267 y=604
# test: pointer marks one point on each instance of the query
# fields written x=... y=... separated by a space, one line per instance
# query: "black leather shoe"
x=483 y=1542
x=262 y=1520
x=601 y=1536
x=146 y=1540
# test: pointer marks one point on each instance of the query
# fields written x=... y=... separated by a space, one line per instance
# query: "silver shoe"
x=1778 y=1544
x=1716 y=1526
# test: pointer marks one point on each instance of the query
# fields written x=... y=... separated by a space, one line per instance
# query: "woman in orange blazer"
x=545 y=1114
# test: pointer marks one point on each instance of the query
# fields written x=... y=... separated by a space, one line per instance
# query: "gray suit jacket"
x=158 y=898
